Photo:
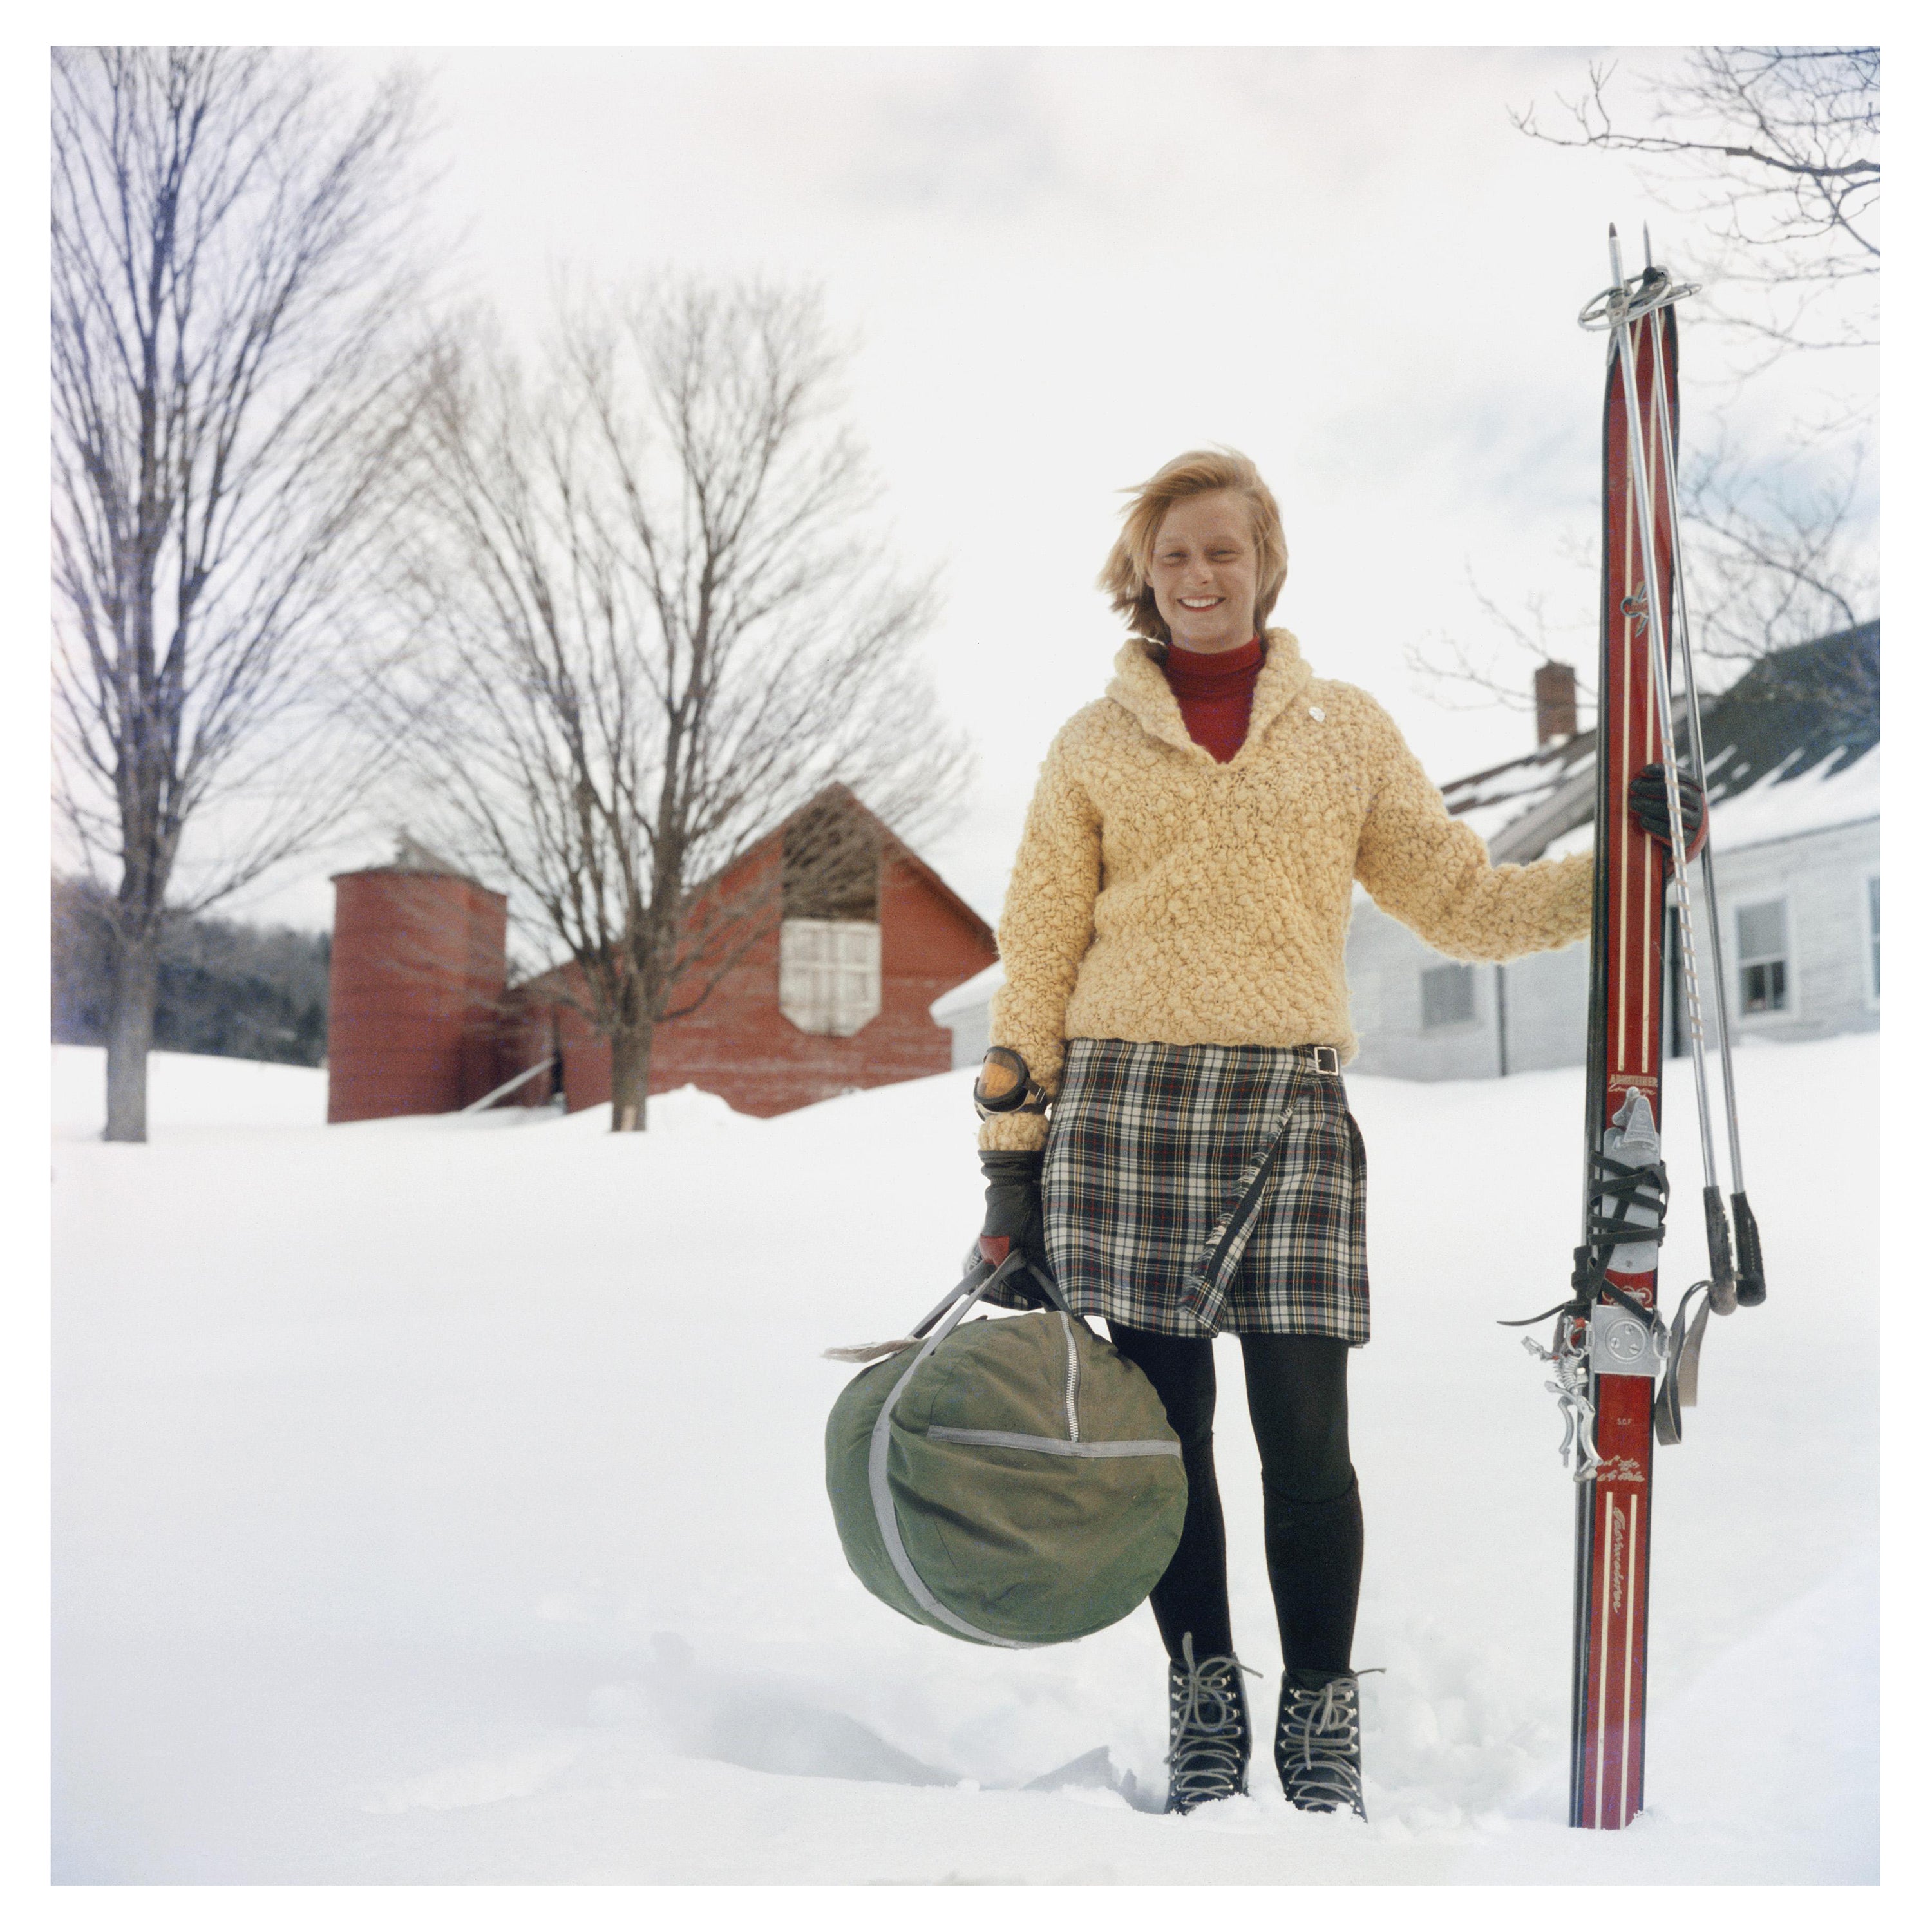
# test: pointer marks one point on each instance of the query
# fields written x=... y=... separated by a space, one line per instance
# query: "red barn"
x=825 y=986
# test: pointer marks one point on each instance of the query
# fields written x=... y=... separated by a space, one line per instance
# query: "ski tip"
x=1613 y=231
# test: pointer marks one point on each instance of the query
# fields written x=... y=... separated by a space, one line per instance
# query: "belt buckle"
x=1328 y=1059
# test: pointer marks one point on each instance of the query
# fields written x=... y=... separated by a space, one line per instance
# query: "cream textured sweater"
x=1158 y=895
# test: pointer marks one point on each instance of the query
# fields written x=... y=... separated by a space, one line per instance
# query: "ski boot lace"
x=1208 y=1717
x=1319 y=1752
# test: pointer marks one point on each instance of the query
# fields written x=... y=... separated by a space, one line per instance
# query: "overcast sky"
x=1063 y=268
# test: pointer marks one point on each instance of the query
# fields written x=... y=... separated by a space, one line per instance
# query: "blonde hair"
x=1124 y=577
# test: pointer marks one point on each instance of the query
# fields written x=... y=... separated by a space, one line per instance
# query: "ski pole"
x=1716 y=1228
x=1751 y=1257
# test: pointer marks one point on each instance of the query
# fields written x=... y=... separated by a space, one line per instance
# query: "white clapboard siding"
x=1807 y=902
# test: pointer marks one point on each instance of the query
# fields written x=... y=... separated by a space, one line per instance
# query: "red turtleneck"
x=1216 y=691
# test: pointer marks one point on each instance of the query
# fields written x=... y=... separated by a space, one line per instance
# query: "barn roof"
x=1791 y=747
x=891 y=847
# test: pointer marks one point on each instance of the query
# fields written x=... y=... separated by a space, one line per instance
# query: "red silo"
x=415 y=990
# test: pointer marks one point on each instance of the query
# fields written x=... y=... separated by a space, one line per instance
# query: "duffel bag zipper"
x=1072 y=1382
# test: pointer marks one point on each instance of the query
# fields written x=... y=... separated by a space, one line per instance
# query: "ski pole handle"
x=1751 y=1256
x=1717 y=1234
x=994 y=1248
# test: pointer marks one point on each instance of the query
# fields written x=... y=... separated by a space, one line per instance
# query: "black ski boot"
x=1317 y=1741
x=1208 y=1738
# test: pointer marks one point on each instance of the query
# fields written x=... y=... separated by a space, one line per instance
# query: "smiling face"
x=1203 y=572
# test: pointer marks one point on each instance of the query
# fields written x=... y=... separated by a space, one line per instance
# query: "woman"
x=1173 y=940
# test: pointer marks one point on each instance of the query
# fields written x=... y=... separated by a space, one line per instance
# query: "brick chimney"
x=1556 y=703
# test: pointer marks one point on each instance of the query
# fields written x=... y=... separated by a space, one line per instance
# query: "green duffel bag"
x=1011 y=1481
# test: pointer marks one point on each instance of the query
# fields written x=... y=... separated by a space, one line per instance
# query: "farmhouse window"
x=829 y=973
x=1763 y=958
x=1448 y=995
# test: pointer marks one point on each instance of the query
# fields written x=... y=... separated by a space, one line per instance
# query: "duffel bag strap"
x=996 y=1248
x=984 y=1277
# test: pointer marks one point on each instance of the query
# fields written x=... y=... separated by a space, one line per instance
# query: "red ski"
x=1625 y=1102
x=1624 y=1379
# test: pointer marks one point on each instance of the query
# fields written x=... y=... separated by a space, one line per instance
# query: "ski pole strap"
x=1679 y=1389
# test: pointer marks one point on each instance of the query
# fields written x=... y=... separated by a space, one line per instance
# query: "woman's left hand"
x=1650 y=806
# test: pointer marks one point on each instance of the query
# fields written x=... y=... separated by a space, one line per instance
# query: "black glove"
x=1650 y=806
x=1013 y=1212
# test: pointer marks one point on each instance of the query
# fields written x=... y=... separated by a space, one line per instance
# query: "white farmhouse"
x=1793 y=752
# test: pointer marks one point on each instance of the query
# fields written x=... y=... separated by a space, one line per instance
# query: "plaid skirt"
x=1187 y=1190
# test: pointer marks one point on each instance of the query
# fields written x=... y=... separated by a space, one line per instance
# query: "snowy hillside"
x=188 y=1089
x=442 y=1500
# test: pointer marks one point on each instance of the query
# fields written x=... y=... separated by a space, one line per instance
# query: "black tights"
x=1298 y=1402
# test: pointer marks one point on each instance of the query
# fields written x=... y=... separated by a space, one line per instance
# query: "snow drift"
x=399 y=1537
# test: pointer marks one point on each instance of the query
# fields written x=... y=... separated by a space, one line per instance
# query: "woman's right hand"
x=1013 y=1213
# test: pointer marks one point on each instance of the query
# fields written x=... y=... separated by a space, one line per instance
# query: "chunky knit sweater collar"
x=1140 y=690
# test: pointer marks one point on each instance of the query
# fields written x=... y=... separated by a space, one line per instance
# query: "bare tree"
x=1499 y=672
x=1776 y=557
x=651 y=628
x=1774 y=151
x=226 y=238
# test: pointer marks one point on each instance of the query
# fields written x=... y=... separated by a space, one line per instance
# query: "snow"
x=441 y=1500
x=1828 y=794
x=189 y=1090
